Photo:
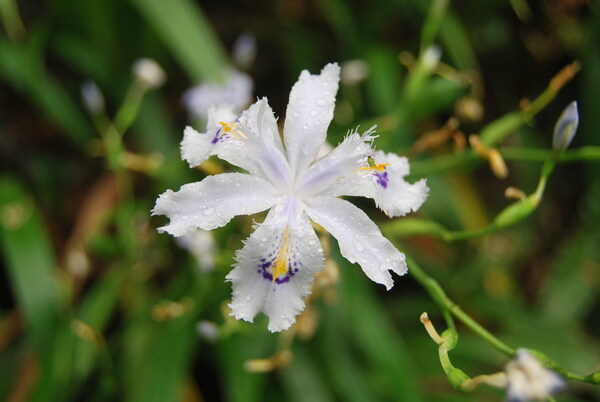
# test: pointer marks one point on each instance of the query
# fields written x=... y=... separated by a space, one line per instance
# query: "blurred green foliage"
x=97 y=306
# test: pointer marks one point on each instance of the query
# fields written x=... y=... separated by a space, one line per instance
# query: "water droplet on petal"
x=313 y=113
x=359 y=246
x=321 y=102
x=208 y=211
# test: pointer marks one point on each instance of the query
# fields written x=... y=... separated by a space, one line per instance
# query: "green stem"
x=587 y=153
x=499 y=129
x=446 y=304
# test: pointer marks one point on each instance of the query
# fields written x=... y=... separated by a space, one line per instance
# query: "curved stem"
x=447 y=305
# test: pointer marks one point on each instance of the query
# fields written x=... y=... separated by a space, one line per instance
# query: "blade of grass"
x=30 y=262
x=186 y=32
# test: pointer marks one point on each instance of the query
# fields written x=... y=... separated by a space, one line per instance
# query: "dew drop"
x=313 y=113
x=185 y=217
x=358 y=246
x=305 y=126
x=321 y=102
x=295 y=114
x=208 y=211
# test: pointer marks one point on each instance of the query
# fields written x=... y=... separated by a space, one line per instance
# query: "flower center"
x=281 y=264
x=232 y=130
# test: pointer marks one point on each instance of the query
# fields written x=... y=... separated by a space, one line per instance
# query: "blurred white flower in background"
x=235 y=91
x=528 y=380
x=201 y=245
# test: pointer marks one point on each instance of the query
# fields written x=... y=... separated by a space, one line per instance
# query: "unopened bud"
x=431 y=57
x=354 y=71
x=566 y=127
x=515 y=212
x=92 y=97
x=244 y=50
x=148 y=73
x=208 y=330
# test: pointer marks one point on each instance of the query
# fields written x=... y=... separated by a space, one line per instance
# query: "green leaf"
x=30 y=261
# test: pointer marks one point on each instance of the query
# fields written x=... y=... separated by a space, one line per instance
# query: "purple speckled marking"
x=382 y=179
x=264 y=266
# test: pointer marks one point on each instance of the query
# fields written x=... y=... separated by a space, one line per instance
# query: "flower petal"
x=250 y=141
x=285 y=240
x=197 y=147
x=344 y=160
x=360 y=240
x=385 y=184
x=213 y=202
x=308 y=115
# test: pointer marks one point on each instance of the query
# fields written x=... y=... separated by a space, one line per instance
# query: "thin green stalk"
x=438 y=294
x=586 y=154
x=446 y=304
x=499 y=129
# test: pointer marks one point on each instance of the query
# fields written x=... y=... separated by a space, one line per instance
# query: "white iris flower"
x=275 y=268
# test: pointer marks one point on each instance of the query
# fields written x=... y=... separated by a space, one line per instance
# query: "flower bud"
x=354 y=71
x=244 y=50
x=515 y=212
x=566 y=127
x=431 y=57
x=92 y=97
x=148 y=73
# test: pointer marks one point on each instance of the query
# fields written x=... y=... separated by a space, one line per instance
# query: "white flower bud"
x=566 y=127
x=148 y=73
x=354 y=71
x=208 y=330
x=244 y=50
x=92 y=97
x=431 y=57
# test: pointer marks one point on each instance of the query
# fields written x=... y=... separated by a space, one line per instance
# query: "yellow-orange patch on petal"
x=281 y=264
